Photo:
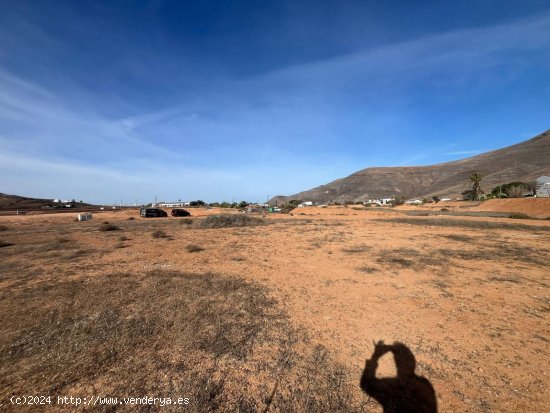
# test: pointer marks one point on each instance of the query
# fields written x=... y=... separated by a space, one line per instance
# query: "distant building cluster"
x=379 y=201
x=65 y=203
x=170 y=204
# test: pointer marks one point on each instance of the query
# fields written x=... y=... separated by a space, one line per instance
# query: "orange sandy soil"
x=479 y=329
x=535 y=207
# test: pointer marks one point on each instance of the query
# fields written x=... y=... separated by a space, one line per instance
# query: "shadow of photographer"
x=406 y=392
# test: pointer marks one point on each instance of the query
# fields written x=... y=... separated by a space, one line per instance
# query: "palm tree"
x=476 y=188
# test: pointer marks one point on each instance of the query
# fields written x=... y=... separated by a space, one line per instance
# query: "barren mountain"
x=524 y=161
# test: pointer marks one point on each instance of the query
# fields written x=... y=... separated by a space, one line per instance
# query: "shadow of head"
x=404 y=360
x=406 y=392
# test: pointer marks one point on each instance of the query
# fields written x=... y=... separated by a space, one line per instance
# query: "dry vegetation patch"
x=52 y=243
x=193 y=248
x=159 y=234
x=186 y=221
x=402 y=258
x=459 y=237
x=476 y=251
x=463 y=223
x=230 y=220
x=357 y=249
x=107 y=226
x=519 y=215
x=220 y=341
x=367 y=269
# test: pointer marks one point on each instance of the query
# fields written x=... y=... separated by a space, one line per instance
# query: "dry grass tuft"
x=159 y=234
x=193 y=248
x=514 y=279
x=106 y=226
x=357 y=249
x=400 y=257
x=459 y=238
x=367 y=269
x=59 y=244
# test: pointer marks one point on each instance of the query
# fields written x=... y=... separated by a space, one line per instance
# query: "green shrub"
x=513 y=189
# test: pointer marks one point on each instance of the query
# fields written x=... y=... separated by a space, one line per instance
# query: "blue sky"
x=125 y=101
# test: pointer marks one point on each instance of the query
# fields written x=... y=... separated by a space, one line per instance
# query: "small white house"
x=85 y=216
x=543 y=187
x=306 y=203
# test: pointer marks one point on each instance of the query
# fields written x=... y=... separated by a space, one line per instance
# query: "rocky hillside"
x=15 y=202
x=524 y=161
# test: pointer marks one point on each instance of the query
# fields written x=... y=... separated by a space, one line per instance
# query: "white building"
x=543 y=187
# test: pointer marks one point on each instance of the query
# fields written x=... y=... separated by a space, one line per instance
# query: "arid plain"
x=279 y=314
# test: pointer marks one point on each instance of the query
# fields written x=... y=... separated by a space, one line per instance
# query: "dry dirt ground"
x=279 y=316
